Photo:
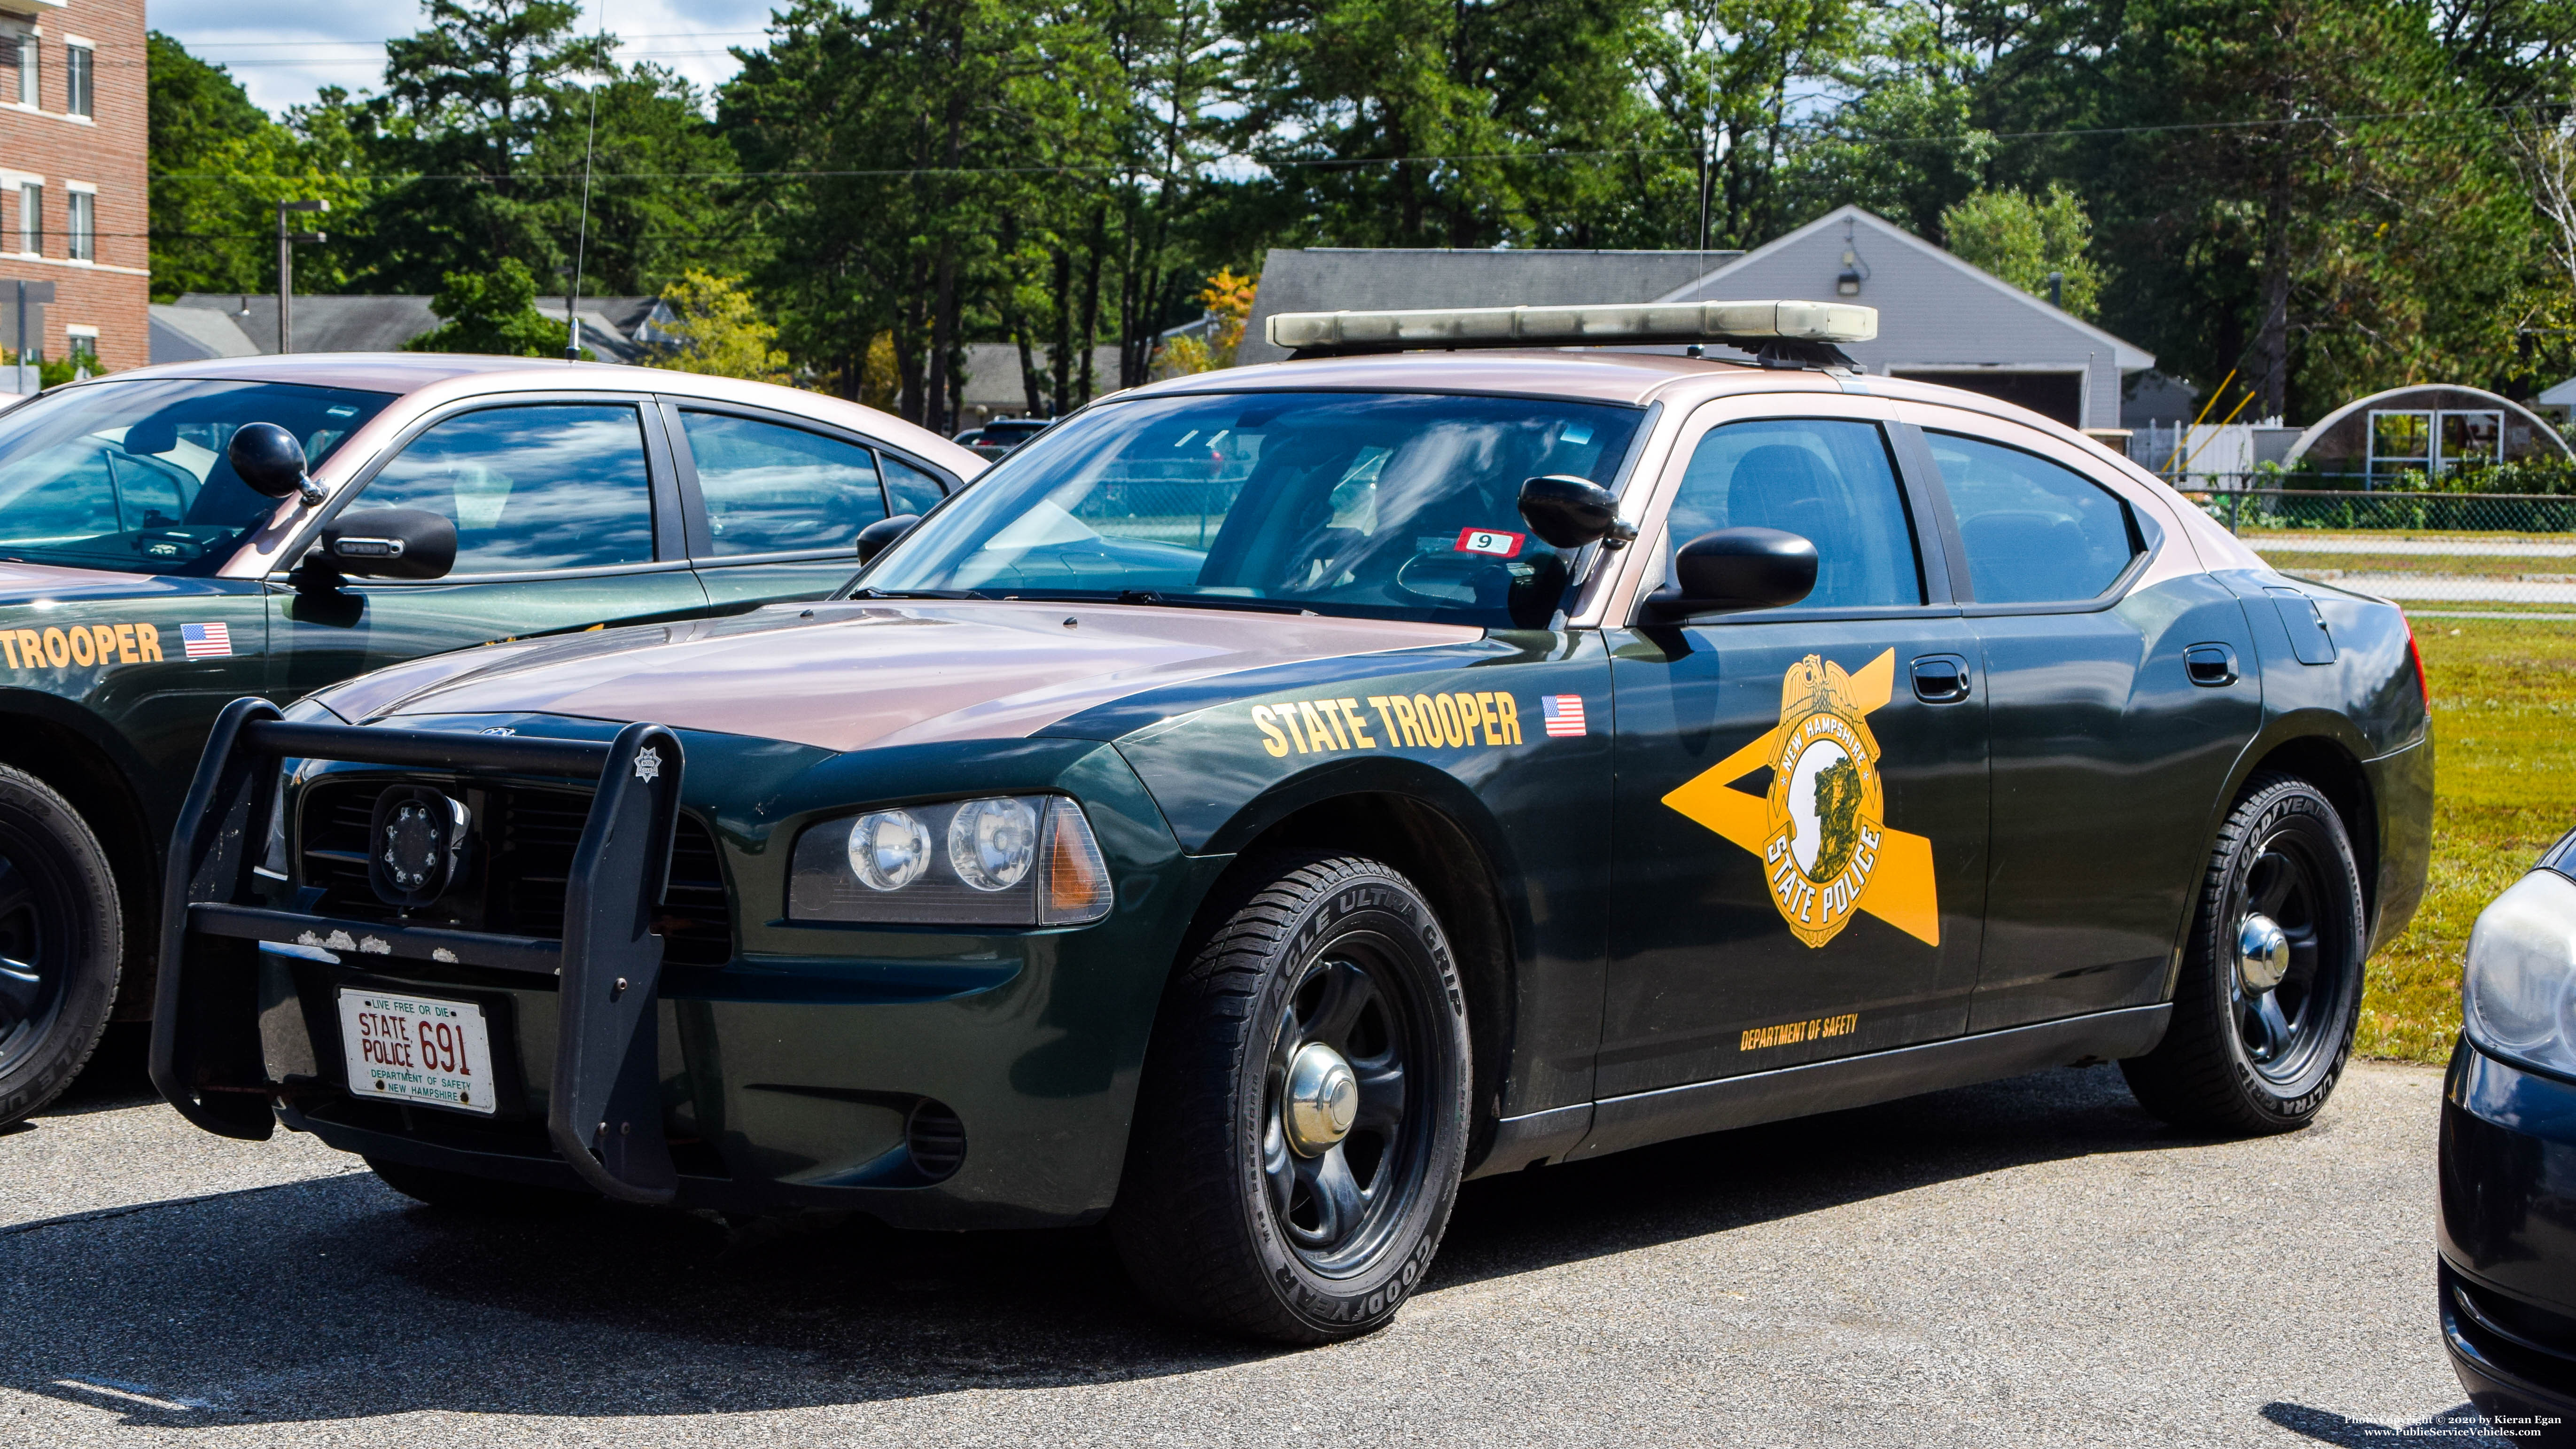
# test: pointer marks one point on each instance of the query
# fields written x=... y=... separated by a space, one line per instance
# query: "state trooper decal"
x=1822 y=830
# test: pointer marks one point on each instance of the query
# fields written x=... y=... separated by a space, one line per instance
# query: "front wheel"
x=1303 y=1116
x=2270 y=991
x=62 y=941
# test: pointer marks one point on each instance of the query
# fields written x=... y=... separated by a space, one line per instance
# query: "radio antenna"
x=581 y=242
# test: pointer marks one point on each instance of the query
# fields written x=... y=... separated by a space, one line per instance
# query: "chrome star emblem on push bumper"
x=648 y=764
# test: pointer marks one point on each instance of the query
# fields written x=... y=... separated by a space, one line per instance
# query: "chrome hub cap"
x=1323 y=1099
x=2262 y=953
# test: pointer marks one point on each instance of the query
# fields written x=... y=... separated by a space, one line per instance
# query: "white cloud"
x=283 y=51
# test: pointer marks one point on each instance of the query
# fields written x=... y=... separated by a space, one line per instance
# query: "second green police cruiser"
x=1273 y=796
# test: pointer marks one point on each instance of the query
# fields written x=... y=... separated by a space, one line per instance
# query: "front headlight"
x=2518 y=995
x=1005 y=860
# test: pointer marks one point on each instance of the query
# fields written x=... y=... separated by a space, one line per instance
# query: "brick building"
x=73 y=173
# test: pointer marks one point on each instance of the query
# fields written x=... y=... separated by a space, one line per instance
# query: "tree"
x=718 y=331
x=494 y=313
x=220 y=166
x=2023 y=241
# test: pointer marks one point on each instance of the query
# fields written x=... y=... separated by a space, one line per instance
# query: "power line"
x=1350 y=162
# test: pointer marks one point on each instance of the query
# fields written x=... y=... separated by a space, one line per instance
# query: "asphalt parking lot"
x=2033 y=1262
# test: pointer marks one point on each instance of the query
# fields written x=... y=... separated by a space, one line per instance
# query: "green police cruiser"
x=175 y=537
x=1271 y=797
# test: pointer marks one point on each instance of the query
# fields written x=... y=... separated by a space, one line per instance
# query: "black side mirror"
x=877 y=537
x=390 y=543
x=1569 y=512
x=270 y=460
x=1737 y=569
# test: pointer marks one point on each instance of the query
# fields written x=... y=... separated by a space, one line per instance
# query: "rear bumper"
x=2508 y=1239
x=2402 y=785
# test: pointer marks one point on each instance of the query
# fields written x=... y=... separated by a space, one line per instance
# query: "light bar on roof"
x=1599 y=325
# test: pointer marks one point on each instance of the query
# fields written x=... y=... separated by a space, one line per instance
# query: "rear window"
x=131 y=476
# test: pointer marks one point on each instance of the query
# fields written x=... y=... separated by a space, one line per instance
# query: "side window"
x=2035 y=532
x=769 y=488
x=910 y=489
x=547 y=486
x=1826 y=480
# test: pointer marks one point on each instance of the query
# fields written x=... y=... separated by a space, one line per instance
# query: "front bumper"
x=2508 y=1239
x=928 y=1076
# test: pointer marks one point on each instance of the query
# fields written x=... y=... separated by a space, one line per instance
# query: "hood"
x=846 y=676
x=27 y=583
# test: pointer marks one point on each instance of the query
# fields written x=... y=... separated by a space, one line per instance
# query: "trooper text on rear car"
x=1278 y=794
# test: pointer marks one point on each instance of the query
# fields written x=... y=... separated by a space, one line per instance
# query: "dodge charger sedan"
x=174 y=537
x=1275 y=795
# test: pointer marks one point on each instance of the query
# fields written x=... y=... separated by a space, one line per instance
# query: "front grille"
x=523 y=838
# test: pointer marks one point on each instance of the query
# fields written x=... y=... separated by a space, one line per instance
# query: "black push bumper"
x=603 y=1117
x=2508 y=1241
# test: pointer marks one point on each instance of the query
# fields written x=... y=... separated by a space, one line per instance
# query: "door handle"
x=2211 y=666
x=1940 y=678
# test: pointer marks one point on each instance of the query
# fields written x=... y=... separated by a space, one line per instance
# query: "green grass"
x=2504 y=727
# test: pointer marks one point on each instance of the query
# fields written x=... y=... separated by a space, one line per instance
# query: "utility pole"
x=31 y=296
x=286 y=266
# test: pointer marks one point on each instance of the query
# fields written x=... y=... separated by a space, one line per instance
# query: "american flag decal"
x=215 y=641
x=1564 y=713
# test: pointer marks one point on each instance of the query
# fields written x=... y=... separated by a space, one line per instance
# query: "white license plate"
x=417 y=1049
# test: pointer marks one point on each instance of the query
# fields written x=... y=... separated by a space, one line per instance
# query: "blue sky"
x=282 y=51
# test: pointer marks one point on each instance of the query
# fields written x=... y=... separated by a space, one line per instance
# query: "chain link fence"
x=2432 y=552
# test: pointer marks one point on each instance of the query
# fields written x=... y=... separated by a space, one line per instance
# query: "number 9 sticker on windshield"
x=417 y=1049
x=1490 y=541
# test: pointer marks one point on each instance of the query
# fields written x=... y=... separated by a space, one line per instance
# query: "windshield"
x=132 y=476
x=1395 y=505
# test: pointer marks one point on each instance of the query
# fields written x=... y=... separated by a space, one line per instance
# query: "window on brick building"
x=29 y=52
x=83 y=227
x=77 y=70
x=31 y=218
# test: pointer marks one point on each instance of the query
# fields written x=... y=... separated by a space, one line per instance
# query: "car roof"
x=1635 y=379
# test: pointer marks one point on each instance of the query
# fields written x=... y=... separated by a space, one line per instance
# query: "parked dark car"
x=2508 y=1158
x=405 y=504
x=1279 y=793
x=998 y=438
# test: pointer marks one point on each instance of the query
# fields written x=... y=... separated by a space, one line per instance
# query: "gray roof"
x=194 y=334
x=1937 y=315
x=615 y=328
x=2560 y=396
x=1362 y=279
x=993 y=376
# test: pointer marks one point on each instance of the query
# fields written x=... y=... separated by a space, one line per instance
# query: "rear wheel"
x=62 y=938
x=2270 y=990
x=1303 y=1118
x=464 y=1192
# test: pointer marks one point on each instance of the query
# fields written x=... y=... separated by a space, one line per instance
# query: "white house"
x=1939 y=319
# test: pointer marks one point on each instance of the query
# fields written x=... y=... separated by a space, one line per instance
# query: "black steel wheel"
x=1303 y=1117
x=2270 y=991
x=61 y=941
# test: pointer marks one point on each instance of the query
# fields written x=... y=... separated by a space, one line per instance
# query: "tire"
x=2239 y=1059
x=62 y=939
x=484 y=1196
x=1242 y=1214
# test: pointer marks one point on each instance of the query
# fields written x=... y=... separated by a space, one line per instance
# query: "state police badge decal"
x=1821 y=832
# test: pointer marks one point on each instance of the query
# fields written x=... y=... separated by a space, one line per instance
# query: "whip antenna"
x=581 y=242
